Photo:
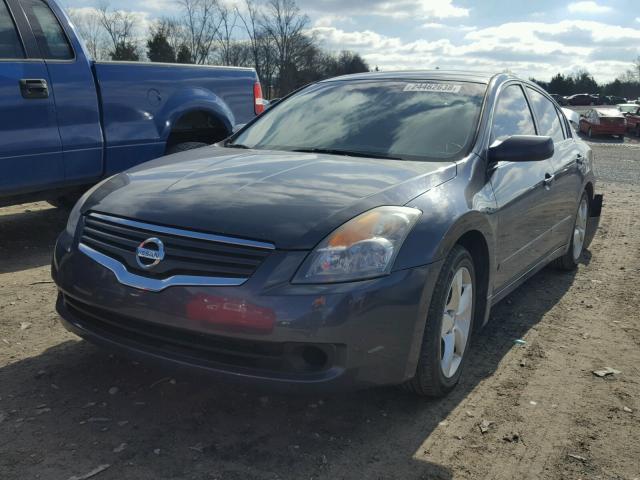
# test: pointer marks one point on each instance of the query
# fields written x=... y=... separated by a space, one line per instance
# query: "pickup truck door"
x=75 y=91
x=30 y=146
x=521 y=193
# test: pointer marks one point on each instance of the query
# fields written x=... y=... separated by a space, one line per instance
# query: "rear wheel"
x=638 y=130
x=570 y=260
x=448 y=328
x=590 y=133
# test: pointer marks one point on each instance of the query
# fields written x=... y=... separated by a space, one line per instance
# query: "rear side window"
x=512 y=115
x=10 y=46
x=52 y=40
x=548 y=120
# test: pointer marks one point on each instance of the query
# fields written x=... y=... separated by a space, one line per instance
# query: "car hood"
x=290 y=199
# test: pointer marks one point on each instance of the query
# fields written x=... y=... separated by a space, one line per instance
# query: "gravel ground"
x=68 y=409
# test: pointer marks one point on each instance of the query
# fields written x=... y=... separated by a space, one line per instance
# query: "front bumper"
x=266 y=331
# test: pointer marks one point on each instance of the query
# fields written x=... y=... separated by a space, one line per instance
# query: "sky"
x=532 y=39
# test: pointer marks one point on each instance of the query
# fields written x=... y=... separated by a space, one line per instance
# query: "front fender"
x=192 y=99
x=448 y=212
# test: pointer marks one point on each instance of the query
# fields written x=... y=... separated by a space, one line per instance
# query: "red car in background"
x=603 y=121
x=631 y=112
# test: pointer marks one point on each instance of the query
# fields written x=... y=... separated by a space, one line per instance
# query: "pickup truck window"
x=51 y=38
x=10 y=46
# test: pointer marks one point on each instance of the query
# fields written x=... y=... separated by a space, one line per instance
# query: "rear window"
x=609 y=112
x=412 y=120
x=10 y=46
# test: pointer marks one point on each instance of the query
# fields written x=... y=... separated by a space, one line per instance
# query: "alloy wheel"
x=580 y=229
x=456 y=322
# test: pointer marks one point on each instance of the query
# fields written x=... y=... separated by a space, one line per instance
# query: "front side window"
x=10 y=46
x=548 y=120
x=512 y=115
x=51 y=38
x=408 y=120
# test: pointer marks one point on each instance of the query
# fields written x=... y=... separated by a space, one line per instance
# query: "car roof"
x=608 y=111
x=455 y=75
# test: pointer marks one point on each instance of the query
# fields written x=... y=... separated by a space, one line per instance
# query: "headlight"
x=364 y=247
x=76 y=211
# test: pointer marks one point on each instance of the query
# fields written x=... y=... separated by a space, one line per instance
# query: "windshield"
x=409 y=120
x=628 y=108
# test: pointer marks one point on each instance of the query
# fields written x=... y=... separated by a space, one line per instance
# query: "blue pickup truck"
x=66 y=121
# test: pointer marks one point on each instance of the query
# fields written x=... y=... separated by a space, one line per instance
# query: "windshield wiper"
x=237 y=145
x=348 y=153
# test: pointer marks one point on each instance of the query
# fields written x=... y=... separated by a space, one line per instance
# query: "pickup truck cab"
x=67 y=121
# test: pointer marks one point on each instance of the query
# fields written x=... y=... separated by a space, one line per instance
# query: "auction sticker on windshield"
x=432 y=87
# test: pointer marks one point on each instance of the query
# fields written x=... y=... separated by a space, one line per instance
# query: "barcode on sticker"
x=432 y=87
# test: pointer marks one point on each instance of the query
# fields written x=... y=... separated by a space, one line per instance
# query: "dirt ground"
x=68 y=408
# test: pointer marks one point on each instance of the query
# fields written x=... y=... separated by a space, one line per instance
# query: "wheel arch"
x=195 y=114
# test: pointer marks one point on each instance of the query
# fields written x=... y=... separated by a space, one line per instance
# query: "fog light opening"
x=314 y=357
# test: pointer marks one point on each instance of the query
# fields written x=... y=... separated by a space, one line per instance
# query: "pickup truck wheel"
x=590 y=133
x=569 y=261
x=183 y=147
x=445 y=343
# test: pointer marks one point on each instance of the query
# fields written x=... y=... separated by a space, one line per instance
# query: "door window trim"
x=12 y=18
x=39 y=35
x=497 y=99
x=550 y=100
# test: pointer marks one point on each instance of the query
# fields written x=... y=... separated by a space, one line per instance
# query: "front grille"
x=186 y=252
x=195 y=347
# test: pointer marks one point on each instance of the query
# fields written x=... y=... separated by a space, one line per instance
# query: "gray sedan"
x=353 y=235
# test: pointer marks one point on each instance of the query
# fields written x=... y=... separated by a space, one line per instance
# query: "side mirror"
x=521 y=148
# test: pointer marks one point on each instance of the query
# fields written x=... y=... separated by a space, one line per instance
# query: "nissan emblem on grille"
x=150 y=253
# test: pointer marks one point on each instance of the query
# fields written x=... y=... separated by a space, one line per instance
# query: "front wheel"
x=448 y=328
x=570 y=260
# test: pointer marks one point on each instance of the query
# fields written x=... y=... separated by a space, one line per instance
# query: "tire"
x=590 y=133
x=183 y=147
x=430 y=380
x=569 y=261
x=638 y=130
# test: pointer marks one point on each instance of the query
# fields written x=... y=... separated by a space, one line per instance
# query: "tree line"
x=627 y=85
x=271 y=36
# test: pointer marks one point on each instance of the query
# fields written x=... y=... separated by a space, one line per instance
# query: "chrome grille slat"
x=198 y=256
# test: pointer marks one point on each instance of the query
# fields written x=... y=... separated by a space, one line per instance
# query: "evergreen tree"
x=159 y=49
x=125 y=51
x=184 y=55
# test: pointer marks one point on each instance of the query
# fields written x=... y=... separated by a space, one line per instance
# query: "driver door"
x=521 y=192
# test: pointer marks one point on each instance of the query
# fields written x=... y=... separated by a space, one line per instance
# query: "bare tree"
x=118 y=24
x=201 y=21
x=228 y=23
x=88 y=25
x=284 y=24
x=250 y=20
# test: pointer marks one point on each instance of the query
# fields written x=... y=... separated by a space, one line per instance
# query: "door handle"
x=33 y=88
x=579 y=159
x=548 y=180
